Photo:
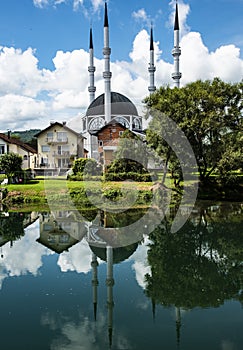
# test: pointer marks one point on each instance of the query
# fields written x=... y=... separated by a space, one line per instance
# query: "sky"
x=44 y=52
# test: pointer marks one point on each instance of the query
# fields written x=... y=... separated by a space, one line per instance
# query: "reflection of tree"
x=12 y=226
x=200 y=265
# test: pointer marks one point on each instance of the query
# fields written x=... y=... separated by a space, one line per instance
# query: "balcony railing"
x=52 y=140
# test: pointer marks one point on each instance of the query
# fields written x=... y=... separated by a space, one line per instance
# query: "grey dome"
x=120 y=105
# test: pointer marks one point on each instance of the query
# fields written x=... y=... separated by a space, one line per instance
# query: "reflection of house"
x=12 y=145
x=60 y=230
x=58 y=146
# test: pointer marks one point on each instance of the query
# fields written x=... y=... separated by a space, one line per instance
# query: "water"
x=162 y=291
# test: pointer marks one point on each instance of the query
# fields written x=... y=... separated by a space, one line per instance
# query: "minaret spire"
x=91 y=68
x=110 y=283
x=107 y=73
x=151 y=67
x=95 y=283
x=176 y=52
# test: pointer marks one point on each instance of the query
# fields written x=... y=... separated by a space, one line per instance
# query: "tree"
x=131 y=155
x=210 y=115
x=11 y=165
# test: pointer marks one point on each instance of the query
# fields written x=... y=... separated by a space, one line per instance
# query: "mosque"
x=113 y=107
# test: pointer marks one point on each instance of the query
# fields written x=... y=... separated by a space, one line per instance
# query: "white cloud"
x=31 y=97
x=141 y=15
x=95 y=4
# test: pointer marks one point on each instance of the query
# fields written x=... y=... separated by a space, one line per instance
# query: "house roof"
x=14 y=141
x=63 y=125
x=110 y=124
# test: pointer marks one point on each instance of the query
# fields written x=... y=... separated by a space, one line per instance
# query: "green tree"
x=210 y=115
x=11 y=165
x=131 y=155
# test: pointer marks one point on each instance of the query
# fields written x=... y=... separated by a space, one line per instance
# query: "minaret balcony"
x=91 y=69
x=107 y=75
x=176 y=51
x=176 y=75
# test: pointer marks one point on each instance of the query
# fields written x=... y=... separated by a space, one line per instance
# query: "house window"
x=121 y=133
x=2 y=149
x=49 y=136
x=101 y=143
x=61 y=136
x=45 y=148
x=25 y=157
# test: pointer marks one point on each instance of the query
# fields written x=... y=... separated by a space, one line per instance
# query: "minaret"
x=91 y=69
x=110 y=284
x=95 y=282
x=176 y=52
x=151 y=67
x=107 y=73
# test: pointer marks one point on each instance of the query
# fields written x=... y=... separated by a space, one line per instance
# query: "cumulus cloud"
x=141 y=15
x=31 y=97
x=95 y=4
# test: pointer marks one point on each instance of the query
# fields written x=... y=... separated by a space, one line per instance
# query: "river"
x=70 y=281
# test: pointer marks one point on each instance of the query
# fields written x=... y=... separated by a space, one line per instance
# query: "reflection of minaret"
x=91 y=69
x=178 y=325
x=107 y=73
x=110 y=284
x=95 y=282
x=176 y=52
x=151 y=67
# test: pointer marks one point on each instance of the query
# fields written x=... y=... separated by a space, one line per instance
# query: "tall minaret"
x=176 y=52
x=107 y=73
x=91 y=68
x=151 y=67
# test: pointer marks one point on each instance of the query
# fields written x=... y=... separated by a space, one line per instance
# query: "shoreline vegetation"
x=83 y=195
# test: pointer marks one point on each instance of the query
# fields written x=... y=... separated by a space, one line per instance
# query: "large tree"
x=210 y=115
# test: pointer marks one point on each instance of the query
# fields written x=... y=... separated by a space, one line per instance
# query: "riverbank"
x=82 y=194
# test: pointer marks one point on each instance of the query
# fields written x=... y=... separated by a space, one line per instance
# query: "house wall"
x=58 y=147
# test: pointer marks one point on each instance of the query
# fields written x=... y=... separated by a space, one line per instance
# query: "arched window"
x=96 y=123
x=123 y=121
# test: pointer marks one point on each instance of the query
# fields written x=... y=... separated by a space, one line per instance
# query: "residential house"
x=58 y=146
x=108 y=139
x=10 y=144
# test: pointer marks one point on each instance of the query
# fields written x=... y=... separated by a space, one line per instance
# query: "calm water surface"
x=63 y=286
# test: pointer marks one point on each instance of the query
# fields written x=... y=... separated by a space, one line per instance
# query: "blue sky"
x=39 y=39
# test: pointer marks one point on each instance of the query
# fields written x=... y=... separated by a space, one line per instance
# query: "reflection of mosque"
x=60 y=230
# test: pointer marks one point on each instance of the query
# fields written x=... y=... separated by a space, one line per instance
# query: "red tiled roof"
x=17 y=142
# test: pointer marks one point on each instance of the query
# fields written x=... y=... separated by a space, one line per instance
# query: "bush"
x=85 y=166
x=129 y=176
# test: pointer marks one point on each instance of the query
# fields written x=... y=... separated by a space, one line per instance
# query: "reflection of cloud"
x=140 y=265
x=28 y=258
x=78 y=258
x=81 y=335
x=227 y=345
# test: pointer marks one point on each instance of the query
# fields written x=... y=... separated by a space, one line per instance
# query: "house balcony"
x=63 y=154
x=54 y=141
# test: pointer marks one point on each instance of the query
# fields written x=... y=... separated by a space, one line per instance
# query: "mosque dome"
x=119 y=254
x=120 y=105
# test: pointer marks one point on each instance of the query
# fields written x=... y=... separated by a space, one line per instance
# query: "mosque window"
x=123 y=121
x=96 y=123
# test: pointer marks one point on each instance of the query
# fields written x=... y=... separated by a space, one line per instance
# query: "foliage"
x=201 y=264
x=130 y=161
x=11 y=164
x=210 y=115
x=85 y=166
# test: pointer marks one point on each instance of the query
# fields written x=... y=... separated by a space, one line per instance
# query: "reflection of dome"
x=119 y=254
x=120 y=105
